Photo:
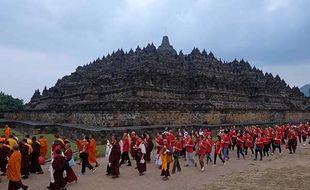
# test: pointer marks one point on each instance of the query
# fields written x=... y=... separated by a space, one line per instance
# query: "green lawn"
x=50 y=139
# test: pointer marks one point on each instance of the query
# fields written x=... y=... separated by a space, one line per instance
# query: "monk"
x=44 y=146
x=7 y=131
x=115 y=157
x=58 y=165
x=4 y=154
x=79 y=144
x=166 y=158
x=25 y=162
x=140 y=156
x=11 y=141
x=71 y=177
x=92 y=151
x=13 y=170
x=149 y=147
x=35 y=165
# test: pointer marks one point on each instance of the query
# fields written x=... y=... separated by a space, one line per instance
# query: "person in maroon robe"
x=58 y=165
x=4 y=154
x=71 y=177
x=115 y=157
x=35 y=166
x=140 y=156
x=25 y=162
x=149 y=147
x=133 y=138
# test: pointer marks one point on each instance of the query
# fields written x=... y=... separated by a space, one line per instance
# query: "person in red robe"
x=115 y=157
x=71 y=177
x=25 y=162
x=58 y=165
x=125 y=153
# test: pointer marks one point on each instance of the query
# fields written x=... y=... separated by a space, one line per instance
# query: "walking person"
x=58 y=165
x=14 y=170
x=240 y=145
x=190 y=151
x=202 y=149
x=71 y=177
x=277 y=142
x=35 y=166
x=140 y=156
x=177 y=149
x=225 y=145
x=114 y=158
x=166 y=157
x=218 y=150
x=259 y=142
x=84 y=157
x=125 y=153
x=209 y=144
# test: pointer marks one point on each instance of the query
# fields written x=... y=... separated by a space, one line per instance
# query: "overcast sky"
x=43 y=40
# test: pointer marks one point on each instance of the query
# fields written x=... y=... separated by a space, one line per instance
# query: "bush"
x=8 y=103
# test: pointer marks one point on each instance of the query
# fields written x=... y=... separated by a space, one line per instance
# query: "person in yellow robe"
x=92 y=151
x=44 y=146
x=7 y=131
x=13 y=170
x=11 y=141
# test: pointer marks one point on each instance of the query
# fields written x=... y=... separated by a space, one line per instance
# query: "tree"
x=8 y=103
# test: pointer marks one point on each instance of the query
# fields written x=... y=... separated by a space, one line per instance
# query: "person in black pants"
x=125 y=155
x=240 y=145
x=84 y=157
x=259 y=146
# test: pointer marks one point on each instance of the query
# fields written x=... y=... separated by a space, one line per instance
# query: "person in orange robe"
x=79 y=144
x=7 y=131
x=44 y=146
x=13 y=170
x=92 y=151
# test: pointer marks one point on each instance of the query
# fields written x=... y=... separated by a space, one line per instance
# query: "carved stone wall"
x=119 y=119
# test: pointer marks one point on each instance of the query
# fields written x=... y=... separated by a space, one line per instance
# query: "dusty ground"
x=275 y=172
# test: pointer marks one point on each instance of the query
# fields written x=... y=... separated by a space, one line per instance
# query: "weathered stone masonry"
x=154 y=86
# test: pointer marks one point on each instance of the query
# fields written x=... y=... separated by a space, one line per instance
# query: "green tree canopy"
x=8 y=103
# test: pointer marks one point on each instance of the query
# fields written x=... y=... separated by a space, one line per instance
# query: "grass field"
x=50 y=139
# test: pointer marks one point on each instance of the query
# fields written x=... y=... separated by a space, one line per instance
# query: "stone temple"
x=158 y=86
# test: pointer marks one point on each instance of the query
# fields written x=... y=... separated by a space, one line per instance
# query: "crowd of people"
x=21 y=158
x=207 y=145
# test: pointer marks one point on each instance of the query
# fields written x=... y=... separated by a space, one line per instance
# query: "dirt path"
x=238 y=174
